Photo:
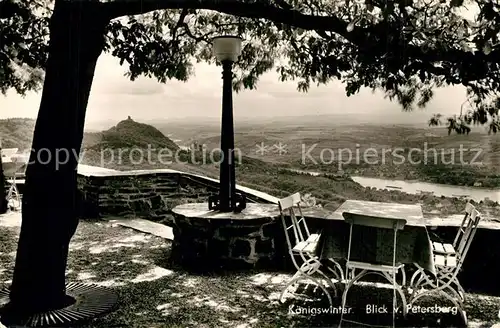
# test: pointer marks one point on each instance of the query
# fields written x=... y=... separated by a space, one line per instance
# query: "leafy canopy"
x=405 y=48
x=23 y=45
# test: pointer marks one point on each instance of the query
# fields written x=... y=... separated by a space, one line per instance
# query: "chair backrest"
x=466 y=222
x=467 y=236
x=298 y=225
x=394 y=224
x=374 y=221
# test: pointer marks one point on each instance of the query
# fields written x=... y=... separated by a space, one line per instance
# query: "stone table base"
x=205 y=239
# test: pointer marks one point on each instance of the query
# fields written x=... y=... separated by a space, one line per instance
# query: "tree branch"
x=9 y=9
x=180 y=22
x=370 y=39
x=201 y=38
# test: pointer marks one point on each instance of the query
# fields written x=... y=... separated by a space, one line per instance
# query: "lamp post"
x=226 y=50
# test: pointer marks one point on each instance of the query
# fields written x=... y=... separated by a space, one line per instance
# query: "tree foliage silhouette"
x=403 y=48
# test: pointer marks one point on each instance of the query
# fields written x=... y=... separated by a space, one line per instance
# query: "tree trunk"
x=49 y=217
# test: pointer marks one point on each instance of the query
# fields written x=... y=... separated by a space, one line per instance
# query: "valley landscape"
x=271 y=161
x=323 y=159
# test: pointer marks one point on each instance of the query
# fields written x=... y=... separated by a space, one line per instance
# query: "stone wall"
x=153 y=194
x=147 y=194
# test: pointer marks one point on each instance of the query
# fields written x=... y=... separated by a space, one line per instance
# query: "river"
x=415 y=187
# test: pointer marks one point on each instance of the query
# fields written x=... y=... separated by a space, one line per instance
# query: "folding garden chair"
x=389 y=272
x=13 y=196
x=448 y=252
x=448 y=266
x=449 y=249
x=302 y=246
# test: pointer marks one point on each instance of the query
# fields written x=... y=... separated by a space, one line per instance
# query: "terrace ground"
x=156 y=293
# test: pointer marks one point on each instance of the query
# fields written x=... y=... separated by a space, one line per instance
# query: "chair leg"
x=461 y=290
x=447 y=274
x=315 y=267
x=464 y=317
x=296 y=277
x=389 y=277
x=329 y=282
x=349 y=284
x=360 y=275
x=301 y=276
x=443 y=286
x=13 y=197
x=320 y=285
x=339 y=273
x=416 y=274
x=422 y=281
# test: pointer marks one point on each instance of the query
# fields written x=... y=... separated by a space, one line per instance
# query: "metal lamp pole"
x=227 y=190
x=227 y=49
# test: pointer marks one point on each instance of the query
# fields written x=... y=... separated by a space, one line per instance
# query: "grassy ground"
x=155 y=293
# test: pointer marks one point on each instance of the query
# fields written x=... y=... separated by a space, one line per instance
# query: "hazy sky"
x=114 y=97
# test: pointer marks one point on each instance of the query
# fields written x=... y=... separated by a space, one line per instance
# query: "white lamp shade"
x=227 y=48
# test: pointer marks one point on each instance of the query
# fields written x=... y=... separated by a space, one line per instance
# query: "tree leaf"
x=486 y=48
x=350 y=27
x=456 y=3
x=421 y=75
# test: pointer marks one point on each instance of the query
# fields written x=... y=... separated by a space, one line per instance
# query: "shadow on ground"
x=154 y=293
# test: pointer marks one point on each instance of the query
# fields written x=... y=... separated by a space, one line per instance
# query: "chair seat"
x=442 y=248
x=373 y=267
x=307 y=246
x=445 y=260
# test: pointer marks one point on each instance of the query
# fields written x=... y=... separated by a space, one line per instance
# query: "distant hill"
x=125 y=136
x=17 y=133
x=398 y=117
x=128 y=134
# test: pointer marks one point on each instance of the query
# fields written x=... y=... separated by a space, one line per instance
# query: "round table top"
x=251 y=212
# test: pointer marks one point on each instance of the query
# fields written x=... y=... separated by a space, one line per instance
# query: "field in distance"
x=363 y=149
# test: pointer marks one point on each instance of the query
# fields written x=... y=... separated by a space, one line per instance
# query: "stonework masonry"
x=153 y=194
x=149 y=195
